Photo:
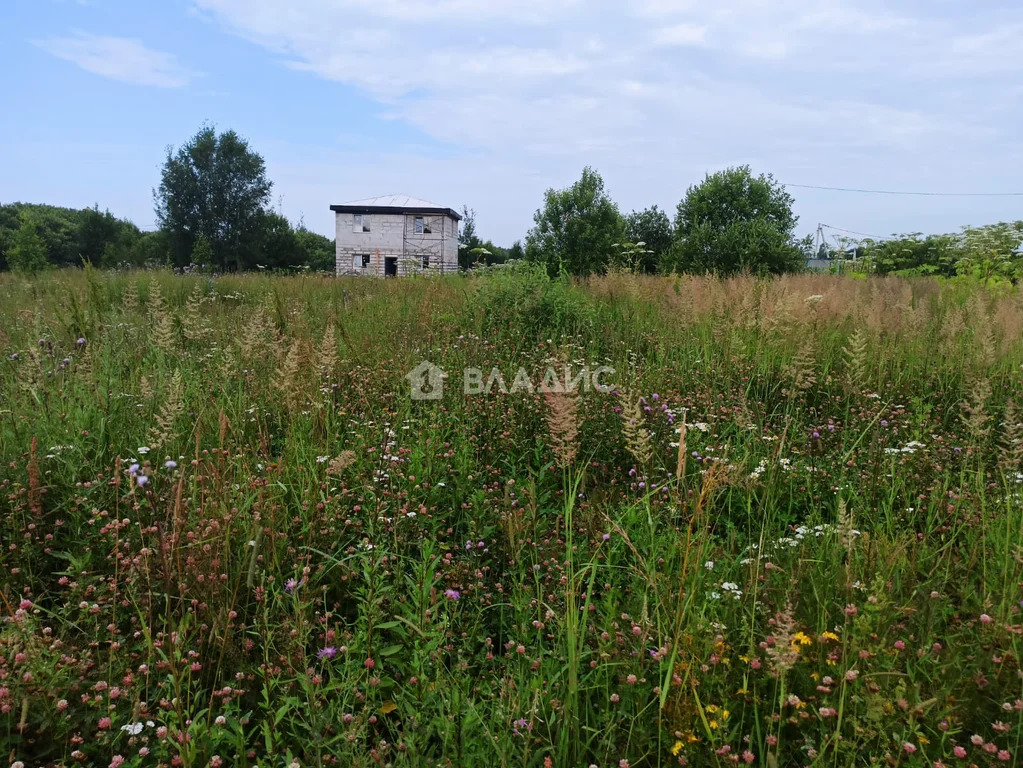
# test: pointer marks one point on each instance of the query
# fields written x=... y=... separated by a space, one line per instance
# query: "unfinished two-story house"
x=395 y=235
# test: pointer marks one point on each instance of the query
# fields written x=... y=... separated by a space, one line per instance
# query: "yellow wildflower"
x=676 y=748
x=710 y=709
x=713 y=725
x=801 y=638
x=830 y=636
x=724 y=714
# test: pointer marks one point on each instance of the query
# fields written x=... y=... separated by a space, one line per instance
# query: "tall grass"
x=789 y=533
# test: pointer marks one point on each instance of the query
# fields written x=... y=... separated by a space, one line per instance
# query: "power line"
x=921 y=194
x=854 y=232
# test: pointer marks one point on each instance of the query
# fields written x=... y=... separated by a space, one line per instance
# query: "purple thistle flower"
x=452 y=594
x=81 y=342
x=290 y=584
x=327 y=653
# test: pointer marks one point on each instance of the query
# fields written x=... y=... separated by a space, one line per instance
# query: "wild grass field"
x=789 y=534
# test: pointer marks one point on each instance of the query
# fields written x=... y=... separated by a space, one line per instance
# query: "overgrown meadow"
x=788 y=534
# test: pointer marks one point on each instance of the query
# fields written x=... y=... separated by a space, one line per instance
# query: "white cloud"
x=655 y=92
x=119 y=58
x=680 y=34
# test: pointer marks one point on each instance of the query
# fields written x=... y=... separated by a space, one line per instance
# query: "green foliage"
x=314 y=250
x=523 y=293
x=652 y=227
x=214 y=186
x=231 y=536
x=990 y=252
x=27 y=253
x=576 y=229
x=734 y=222
x=202 y=252
x=473 y=251
x=70 y=236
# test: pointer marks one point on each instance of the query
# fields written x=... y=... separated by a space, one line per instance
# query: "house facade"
x=395 y=235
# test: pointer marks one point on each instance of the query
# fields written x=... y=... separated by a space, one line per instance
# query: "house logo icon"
x=426 y=381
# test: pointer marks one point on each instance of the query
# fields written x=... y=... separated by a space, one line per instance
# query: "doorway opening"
x=390 y=266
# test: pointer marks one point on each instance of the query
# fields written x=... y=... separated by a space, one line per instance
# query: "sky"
x=488 y=103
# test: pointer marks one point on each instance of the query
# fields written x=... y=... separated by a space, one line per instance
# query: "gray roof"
x=394 y=204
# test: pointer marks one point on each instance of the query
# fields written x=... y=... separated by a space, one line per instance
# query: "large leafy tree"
x=27 y=253
x=652 y=228
x=734 y=221
x=577 y=228
x=214 y=186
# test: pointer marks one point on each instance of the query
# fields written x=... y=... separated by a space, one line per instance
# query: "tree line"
x=733 y=221
x=737 y=221
x=212 y=208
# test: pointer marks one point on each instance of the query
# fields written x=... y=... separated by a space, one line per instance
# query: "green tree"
x=315 y=251
x=734 y=221
x=202 y=252
x=469 y=241
x=577 y=228
x=96 y=231
x=214 y=186
x=27 y=253
x=652 y=228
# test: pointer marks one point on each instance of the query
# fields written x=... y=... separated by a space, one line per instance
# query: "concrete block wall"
x=394 y=235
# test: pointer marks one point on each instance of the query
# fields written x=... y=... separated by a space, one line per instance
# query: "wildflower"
x=142 y=480
x=327 y=653
x=369 y=663
x=985 y=619
x=631 y=679
x=1003 y=755
x=676 y=748
x=133 y=729
x=220 y=720
x=117 y=761
x=170 y=464
x=900 y=645
x=615 y=698
x=801 y=638
x=909 y=748
x=829 y=636
x=452 y=594
x=143 y=449
x=80 y=342
x=291 y=584
x=103 y=724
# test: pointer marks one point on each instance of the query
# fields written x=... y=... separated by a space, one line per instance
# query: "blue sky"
x=489 y=102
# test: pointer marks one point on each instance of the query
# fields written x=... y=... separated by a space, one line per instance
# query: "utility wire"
x=922 y=194
x=853 y=232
